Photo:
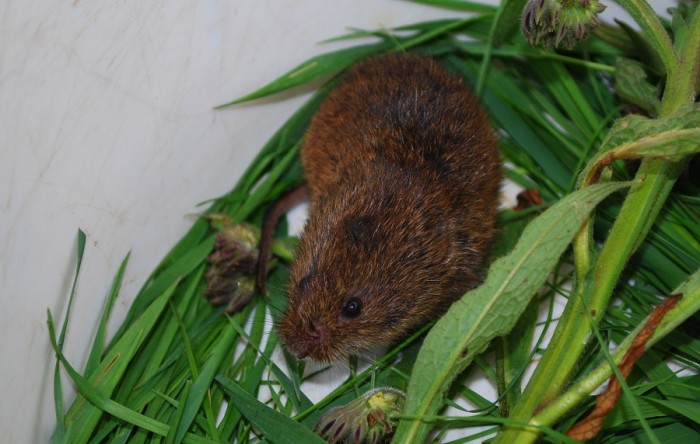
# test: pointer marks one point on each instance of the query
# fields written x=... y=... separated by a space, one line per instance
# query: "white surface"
x=106 y=125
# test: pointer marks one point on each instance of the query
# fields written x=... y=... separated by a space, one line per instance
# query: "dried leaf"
x=591 y=425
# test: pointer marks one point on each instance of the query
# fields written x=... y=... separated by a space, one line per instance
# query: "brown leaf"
x=590 y=426
x=528 y=198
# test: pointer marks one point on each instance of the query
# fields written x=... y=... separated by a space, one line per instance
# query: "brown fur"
x=403 y=175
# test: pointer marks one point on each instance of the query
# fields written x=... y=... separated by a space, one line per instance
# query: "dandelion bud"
x=232 y=262
x=368 y=419
x=559 y=22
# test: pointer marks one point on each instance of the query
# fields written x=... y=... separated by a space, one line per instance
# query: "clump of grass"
x=622 y=204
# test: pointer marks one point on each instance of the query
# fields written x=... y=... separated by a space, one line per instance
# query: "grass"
x=179 y=370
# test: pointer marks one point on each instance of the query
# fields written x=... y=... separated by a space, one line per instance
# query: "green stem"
x=685 y=308
x=653 y=183
x=654 y=32
x=680 y=89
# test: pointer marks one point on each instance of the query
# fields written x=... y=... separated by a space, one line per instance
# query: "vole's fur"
x=403 y=175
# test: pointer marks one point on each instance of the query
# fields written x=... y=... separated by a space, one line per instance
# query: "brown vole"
x=403 y=176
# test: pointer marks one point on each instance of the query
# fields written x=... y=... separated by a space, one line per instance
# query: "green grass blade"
x=83 y=416
x=276 y=427
x=457 y=4
x=99 y=342
x=60 y=431
x=202 y=383
x=683 y=407
x=194 y=370
x=312 y=69
x=506 y=21
x=298 y=399
x=333 y=62
x=175 y=425
x=494 y=307
x=182 y=267
x=497 y=95
x=102 y=402
x=80 y=251
x=686 y=307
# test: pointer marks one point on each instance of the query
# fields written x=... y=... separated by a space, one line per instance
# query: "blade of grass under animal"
x=312 y=69
x=275 y=426
x=333 y=62
x=494 y=97
x=182 y=267
x=457 y=4
x=493 y=308
x=82 y=416
x=263 y=189
x=340 y=394
x=60 y=431
x=298 y=399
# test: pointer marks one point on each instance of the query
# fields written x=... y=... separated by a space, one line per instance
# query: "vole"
x=403 y=175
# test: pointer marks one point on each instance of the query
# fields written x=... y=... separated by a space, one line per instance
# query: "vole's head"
x=373 y=264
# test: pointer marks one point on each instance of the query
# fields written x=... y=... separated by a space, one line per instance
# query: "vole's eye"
x=352 y=308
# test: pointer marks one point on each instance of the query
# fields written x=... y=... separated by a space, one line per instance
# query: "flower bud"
x=233 y=263
x=559 y=22
x=367 y=419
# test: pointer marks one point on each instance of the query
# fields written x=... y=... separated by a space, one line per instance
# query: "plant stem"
x=685 y=308
x=682 y=89
x=654 y=32
x=596 y=281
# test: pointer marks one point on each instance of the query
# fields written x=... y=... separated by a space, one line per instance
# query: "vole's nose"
x=315 y=337
x=317 y=331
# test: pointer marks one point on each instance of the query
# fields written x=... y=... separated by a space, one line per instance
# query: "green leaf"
x=632 y=86
x=202 y=383
x=507 y=20
x=99 y=341
x=184 y=264
x=333 y=62
x=635 y=127
x=276 y=427
x=457 y=4
x=689 y=409
x=502 y=96
x=314 y=68
x=60 y=431
x=636 y=137
x=492 y=309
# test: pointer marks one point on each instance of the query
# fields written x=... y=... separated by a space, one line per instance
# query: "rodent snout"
x=313 y=338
